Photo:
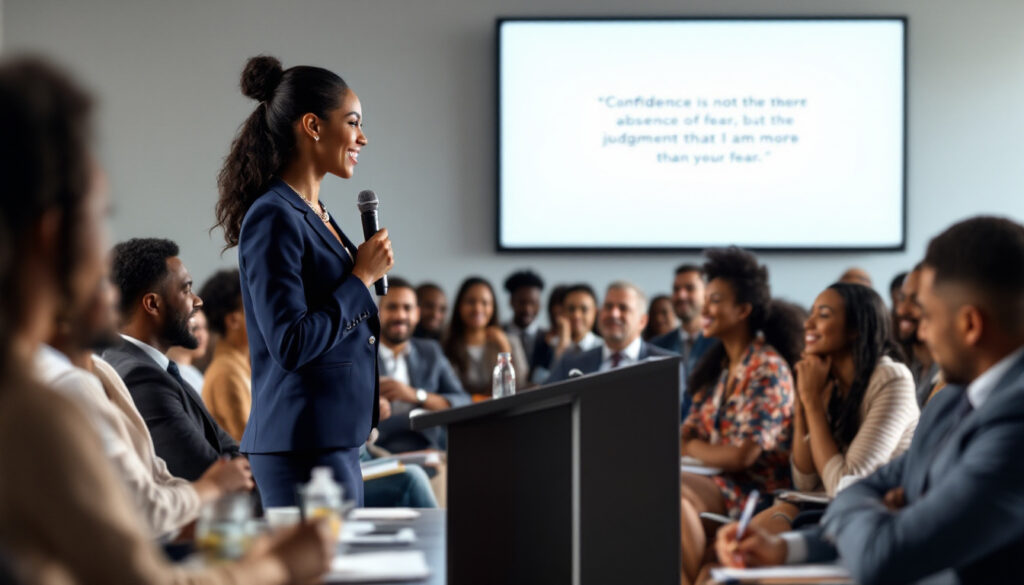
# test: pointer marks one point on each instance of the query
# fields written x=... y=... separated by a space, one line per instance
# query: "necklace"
x=321 y=213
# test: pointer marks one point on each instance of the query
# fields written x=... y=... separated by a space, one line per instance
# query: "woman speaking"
x=312 y=322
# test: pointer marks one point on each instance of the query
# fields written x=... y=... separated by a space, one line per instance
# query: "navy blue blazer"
x=184 y=434
x=964 y=488
x=428 y=370
x=313 y=330
x=589 y=361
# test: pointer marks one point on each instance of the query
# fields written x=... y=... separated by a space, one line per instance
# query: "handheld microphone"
x=367 y=204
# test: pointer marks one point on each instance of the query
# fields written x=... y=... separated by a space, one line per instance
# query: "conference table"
x=430 y=538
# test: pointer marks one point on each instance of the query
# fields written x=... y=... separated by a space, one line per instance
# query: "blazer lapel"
x=300 y=205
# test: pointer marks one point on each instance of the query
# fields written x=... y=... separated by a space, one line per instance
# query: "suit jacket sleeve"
x=559 y=371
x=295 y=333
x=177 y=439
x=952 y=524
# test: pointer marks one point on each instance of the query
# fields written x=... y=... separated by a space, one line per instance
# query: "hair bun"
x=260 y=77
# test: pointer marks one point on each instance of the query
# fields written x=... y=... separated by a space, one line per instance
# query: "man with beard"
x=414 y=373
x=687 y=340
x=69 y=366
x=156 y=304
x=622 y=318
x=951 y=508
x=908 y=318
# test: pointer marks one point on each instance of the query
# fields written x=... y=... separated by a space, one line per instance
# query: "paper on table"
x=372 y=514
x=784 y=574
x=378 y=566
x=809 y=497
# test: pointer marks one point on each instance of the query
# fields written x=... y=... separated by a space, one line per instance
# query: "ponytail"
x=266 y=141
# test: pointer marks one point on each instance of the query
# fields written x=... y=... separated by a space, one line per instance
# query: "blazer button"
x=373 y=340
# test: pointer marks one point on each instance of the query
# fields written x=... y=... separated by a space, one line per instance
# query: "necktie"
x=617 y=359
x=172 y=369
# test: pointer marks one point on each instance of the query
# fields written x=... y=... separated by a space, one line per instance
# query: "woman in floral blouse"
x=742 y=397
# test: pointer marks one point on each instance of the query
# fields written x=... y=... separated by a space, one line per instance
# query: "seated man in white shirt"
x=950 y=509
x=414 y=374
x=68 y=365
x=622 y=319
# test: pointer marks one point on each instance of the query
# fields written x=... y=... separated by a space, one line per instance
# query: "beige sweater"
x=65 y=517
x=888 y=417
x=227 y=389
x=167 y=503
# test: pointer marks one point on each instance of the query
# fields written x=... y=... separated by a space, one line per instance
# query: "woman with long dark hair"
x=65 y=516
x=742 y=391
x=474 y=339
x=311 y=319
x=857 y=408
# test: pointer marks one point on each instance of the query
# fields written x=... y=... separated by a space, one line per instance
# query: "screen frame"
x=500 y=247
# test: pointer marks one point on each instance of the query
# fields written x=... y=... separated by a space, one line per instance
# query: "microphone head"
x=367 y=201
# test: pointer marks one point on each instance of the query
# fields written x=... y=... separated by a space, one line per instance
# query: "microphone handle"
x=371 y=227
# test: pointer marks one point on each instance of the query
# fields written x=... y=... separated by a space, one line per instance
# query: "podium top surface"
x=556 y=394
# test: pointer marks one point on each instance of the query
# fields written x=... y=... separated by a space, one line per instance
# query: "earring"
x=316 y=138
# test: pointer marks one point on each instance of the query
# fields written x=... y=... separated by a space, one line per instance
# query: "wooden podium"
x=572 y=483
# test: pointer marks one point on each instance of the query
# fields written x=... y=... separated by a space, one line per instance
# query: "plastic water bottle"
x=504 y=381
x=321 y=498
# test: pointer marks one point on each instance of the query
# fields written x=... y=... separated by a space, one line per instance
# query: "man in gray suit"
x=414 y=373
x=621 y=319
x=951 y=509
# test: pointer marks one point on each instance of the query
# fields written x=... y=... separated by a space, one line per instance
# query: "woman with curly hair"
x=742 y=392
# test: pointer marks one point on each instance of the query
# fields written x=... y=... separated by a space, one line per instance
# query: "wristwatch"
x=421 y=396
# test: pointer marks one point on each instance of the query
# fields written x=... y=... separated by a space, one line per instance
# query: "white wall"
x=167 y=75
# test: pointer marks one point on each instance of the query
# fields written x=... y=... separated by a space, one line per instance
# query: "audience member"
x=558 y=328
x=580 y=309
x=622 y=320
x=661 y=318
x=951 y=509
x=227 y=390
x=414 y=374
x=433 y=306
x=688 y=291
x=474 y=340
x=856 y=275
x=922 y=365
x=856 y=409
x=64 y=515
x=524 y=289
x=895 y=285
x=156 y=304
x=743 y=396
x=188 y=359
x=167 y=503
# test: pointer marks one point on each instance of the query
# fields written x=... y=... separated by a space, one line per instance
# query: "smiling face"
x=178 y=305
x=341 y=137
x=477 y=307
x=941 y=329
x=525 y=303
x=825 y=331
x=581 y=310
x=399 y=315
x=622 y=318
x=662 y=316
x=908 y=309
x=722 y=315
x=433 y=308
x=688 y=295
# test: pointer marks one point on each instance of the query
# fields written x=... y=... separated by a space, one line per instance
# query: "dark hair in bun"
x=260 y=77
x=266 y=140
